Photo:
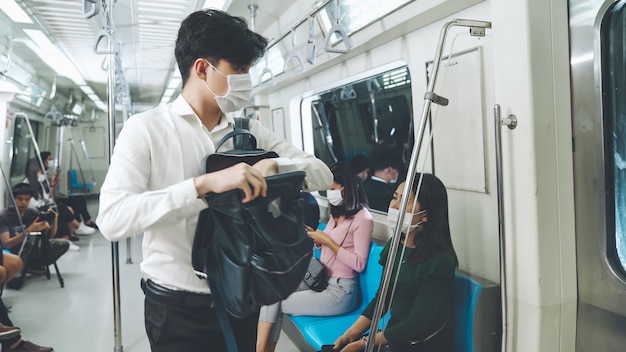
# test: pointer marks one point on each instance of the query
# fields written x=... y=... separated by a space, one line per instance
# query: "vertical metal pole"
x=129 y=253
x=511 y=122
x=369 y=347
x=429 y=98
x=115 y=258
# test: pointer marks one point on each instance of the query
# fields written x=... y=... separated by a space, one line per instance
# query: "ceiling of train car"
x=145 y=30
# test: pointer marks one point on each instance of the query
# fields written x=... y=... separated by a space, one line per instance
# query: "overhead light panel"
x=14 y=11
x=216 y=4
x=87 y=90
x=52 y=56
x=100 y=105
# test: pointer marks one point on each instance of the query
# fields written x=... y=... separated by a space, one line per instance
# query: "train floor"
x=79 y=316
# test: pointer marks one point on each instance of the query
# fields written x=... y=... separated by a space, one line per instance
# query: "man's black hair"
x=216 y=35
x=23 y=189
x=384 y=157
x=360 y=163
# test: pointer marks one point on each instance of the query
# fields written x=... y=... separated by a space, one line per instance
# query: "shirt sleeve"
x=318 y=175
x=361 y=229
x=127 y=206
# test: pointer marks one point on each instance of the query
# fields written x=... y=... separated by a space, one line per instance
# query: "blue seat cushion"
x=74 y=181
x=318 y=331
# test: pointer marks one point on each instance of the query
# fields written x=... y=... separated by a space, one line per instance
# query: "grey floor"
x=79 y=317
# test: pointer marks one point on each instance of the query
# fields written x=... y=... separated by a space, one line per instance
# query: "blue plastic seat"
x=317 y=331
x=324 y=330
x=74 y=185
x=465 y=298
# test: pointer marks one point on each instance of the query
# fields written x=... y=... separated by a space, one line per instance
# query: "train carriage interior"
x=516 y=105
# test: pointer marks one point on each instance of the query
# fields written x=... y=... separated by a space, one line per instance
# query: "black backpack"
x=256 y=253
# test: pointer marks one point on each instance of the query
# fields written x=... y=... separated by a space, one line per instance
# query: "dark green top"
x=423 y=297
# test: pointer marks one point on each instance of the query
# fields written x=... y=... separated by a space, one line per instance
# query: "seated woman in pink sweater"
x=344 y=244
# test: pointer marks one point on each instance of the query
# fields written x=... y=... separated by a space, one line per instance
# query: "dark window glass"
x=613 y=35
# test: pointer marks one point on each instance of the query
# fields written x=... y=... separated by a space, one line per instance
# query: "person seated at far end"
x=361 y=166
x=71 y=209
x=379 y=187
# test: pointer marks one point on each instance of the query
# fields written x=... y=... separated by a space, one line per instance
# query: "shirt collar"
x=374 y=178
x=181 y=107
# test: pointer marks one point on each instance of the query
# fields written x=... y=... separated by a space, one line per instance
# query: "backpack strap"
x=223 y=320
x=241 y=134
x=241 y=141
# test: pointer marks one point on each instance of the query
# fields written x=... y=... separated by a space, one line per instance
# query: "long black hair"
x=354 y=198
x=435 y=235
x=32 y=168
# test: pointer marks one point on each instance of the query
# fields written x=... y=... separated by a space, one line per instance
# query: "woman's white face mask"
x=238 y=94
x=407 y=226
x=334 y=197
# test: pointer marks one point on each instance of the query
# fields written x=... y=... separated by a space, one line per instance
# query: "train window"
x=33 y=95
x=22 y=148
x=367 y=116
x=14 y=71
x=613 y=71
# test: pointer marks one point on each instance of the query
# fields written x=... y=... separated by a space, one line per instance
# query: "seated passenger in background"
x=9 y=222
x=67 y=208
x=77 y=202
x=422 y=299
x=361 y=166
x=345 y=244
x=9 y=335
x=379 y=187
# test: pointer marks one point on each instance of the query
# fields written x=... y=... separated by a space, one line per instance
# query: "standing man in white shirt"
x=154 y=184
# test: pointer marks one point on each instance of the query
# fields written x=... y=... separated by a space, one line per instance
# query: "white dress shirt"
x=149 y=187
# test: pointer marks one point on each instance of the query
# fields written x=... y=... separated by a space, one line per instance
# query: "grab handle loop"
x=101 y=35
x=266 y=71
x=293 y=54
x=90 y=8
x=341 y=31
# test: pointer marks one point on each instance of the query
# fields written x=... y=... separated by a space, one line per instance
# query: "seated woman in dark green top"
x=422 y=300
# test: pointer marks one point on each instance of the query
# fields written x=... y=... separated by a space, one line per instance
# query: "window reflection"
x=368 y=118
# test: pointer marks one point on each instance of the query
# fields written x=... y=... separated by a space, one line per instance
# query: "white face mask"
x=407 y=226
x=396 y=178
x=334 y=197
x=238 y=94
x=41 y=178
